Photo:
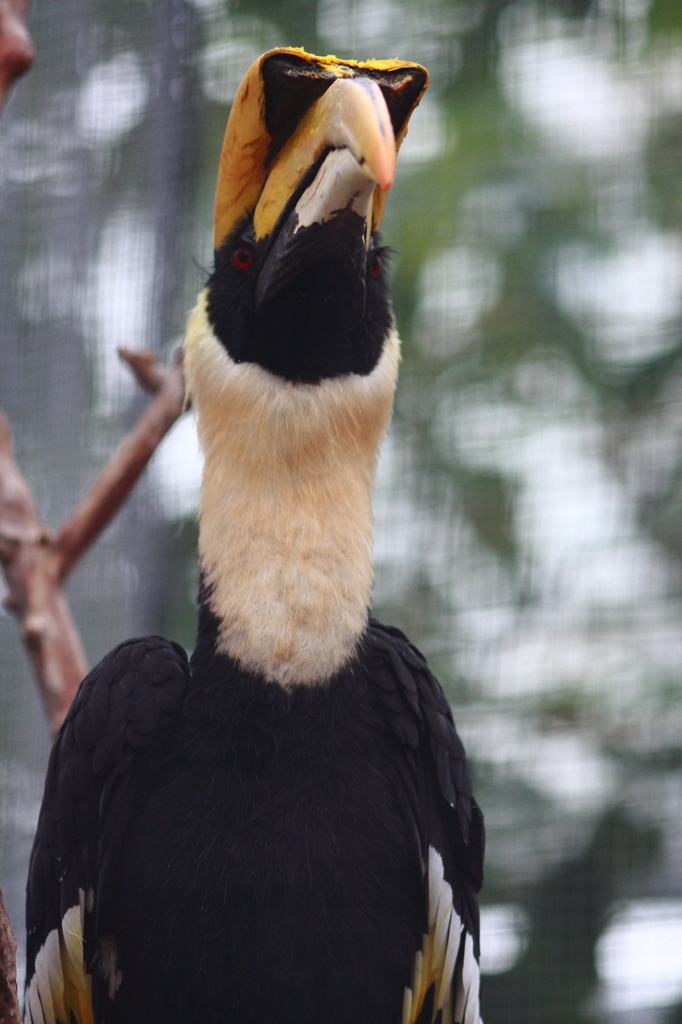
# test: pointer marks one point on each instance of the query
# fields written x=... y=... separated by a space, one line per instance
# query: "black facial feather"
x=307 y=308
x=292 y=83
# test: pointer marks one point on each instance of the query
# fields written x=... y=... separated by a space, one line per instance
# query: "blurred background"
x=529 y=504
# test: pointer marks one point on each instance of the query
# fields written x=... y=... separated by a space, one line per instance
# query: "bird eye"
x=375 y=266
x=242 y=258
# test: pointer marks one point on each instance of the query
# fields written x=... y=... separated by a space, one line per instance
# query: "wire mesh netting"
x=528 y=509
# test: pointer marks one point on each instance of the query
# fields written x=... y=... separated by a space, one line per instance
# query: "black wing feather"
x=121 y=707
x=433 y=780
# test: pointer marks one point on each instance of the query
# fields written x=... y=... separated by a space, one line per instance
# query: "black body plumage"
x=253 y=853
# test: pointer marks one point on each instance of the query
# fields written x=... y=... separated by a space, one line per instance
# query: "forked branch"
x=36 y=562
x=119 y=476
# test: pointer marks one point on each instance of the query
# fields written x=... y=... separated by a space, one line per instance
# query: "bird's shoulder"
x=125 y=699
x=420 y=717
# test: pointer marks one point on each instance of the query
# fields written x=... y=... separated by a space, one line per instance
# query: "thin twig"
x=148 y=374
x=119 y=476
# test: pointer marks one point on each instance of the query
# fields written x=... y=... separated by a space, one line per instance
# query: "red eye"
x=375 y=266
x=243 y=258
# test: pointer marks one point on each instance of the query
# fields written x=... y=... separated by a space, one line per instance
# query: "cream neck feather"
x=285 y=519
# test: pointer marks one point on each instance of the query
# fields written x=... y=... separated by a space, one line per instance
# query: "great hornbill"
x=281 y=830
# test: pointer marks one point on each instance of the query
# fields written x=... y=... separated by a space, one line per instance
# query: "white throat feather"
x=285 y=518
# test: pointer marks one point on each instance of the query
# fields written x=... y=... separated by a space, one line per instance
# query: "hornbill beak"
x=298 y=120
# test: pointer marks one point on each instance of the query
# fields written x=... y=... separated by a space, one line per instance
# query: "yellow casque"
x=285 y=114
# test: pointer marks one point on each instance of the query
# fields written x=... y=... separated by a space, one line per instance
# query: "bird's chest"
x=277 y=823
x=269 y=861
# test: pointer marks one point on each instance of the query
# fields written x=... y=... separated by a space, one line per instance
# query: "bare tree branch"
x=36 y=562
x=119 y=476
x=30 y=559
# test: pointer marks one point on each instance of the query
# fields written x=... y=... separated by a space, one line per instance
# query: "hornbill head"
x=308 y=157
x=291 y=358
